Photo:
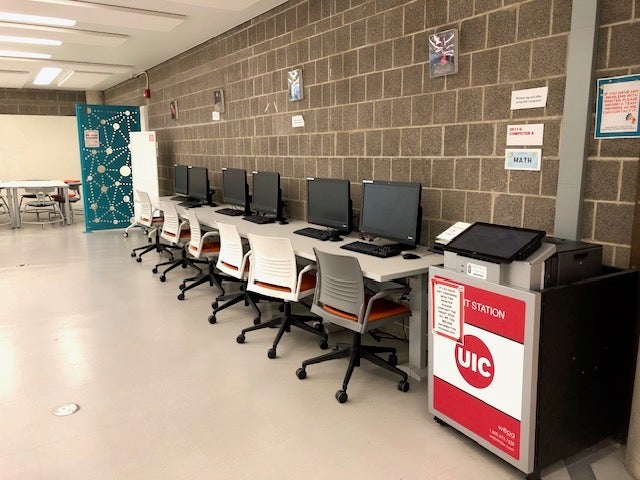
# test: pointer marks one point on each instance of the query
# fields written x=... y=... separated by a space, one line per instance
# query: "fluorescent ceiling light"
x=46 y=75
x=66 y=77
x=21 y=18
x=9 y=53
x=29 y=40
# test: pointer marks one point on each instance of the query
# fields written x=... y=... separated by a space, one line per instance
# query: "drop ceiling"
x=112 y=40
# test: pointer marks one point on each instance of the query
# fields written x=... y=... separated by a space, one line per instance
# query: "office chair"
x=74 y=197
x=147 y=220
x=203 y=248
x=4 y=210
x=340 y=299
x=43 y=204
x=234 y=263
x=177 y=233
x=273 y=273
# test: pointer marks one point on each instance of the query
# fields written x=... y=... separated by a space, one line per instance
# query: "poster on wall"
x=442 y=53
x=618 y=107
x=218 y=101
x=294 y=79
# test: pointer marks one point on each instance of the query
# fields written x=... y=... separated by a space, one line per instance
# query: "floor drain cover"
x=66 y=409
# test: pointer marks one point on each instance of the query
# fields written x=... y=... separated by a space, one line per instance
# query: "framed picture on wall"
x=173 y=109
x=218 y=101
x=443 y=53
x=294 y=80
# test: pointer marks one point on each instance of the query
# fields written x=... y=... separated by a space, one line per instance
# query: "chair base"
x=250 y=299
x=183 y=262
x=210 y=277
x=285 y=323
x=356 y=351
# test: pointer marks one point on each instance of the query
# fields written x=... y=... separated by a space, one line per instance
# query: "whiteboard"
x=39 y=147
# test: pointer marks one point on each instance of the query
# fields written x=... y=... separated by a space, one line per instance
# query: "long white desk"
x=374 y=268
x=14 y=202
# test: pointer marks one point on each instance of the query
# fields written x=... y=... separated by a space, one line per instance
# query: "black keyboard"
x=232 y=212
x=382 y=251
x=190 y=203
x=259 y=219
x=316 y=233
x=178 y=197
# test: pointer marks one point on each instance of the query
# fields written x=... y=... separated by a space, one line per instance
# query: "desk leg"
x=419 y=303
x=14 y=205
x=67 y=209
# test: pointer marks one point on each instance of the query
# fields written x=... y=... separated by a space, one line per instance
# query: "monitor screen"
x=329 y=203
x=496 y=243
x=199 y=183
x=181 y=179
x=234 y=186
x=266 y=192
x=391 y=210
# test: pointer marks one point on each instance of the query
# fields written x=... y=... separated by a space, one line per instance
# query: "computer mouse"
x=410 y=256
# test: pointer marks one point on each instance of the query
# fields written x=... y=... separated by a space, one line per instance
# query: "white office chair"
x=273 y=273
x=233 y=262
x=45 y=209
x=176 y=232
x=147 y=220
x=5 y=211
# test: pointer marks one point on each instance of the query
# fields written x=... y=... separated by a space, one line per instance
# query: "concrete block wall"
x=15 y=101
x=371 y=109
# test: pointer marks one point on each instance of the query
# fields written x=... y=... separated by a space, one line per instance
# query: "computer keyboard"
x=259 y=219
x=190 y=203
x=232 y=212
x=316 y=233
x=382 y=251
x=178 y=197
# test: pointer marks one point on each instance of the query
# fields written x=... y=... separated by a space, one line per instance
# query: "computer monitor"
x=329 y=203
x=266 y=196
x=235 y=190
x=181 y=179
x=391 y=210
x=199 y=184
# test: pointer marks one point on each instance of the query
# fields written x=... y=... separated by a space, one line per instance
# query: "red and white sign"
x=478 y=382
x=448 y=308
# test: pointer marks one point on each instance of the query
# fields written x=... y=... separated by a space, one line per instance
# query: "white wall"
x=38 y=147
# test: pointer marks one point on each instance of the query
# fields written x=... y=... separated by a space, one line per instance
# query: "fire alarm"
x=146 y=93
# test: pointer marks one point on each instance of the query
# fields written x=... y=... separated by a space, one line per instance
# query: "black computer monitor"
x=181 y=179
x=235 y=190
x=391 y=210
x=199 y=184
x=266 y=196
x=329 y=203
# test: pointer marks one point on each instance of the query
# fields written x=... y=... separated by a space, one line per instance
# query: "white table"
x=374 y=268
x=14 y=203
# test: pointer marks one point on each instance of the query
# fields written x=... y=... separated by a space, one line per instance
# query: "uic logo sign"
x=475 y=362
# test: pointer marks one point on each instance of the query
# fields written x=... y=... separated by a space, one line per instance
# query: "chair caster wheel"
x=256 y=321
x=155 y=270
x=163 y=278
x=125 y=234
x=181 y=296
x=214 y=305
x=212 y=320
x=301 y=373
x=182 y=286
x=133 y=254
x=341 y=396
x=139 y=259
x=393 y=359
x=240 y=338
x=319 y=327
x=271 y=353
x=281 y=307
x=324 y=345
x=403 y=386
x=184 y=265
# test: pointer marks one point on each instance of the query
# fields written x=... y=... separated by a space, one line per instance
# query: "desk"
x=14 y=202
x=377 y=269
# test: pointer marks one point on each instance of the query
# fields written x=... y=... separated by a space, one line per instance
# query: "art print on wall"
x=294 y=78
x=173 y=109
x=443 y=58
x=218 y=101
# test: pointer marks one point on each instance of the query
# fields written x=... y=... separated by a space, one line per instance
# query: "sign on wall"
x=618 y=107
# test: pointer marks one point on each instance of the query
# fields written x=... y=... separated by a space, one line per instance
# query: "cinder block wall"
x=39 y=102
x=372 y=111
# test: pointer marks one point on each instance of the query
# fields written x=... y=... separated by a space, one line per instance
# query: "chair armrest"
x=306 y=269
x=212 y=233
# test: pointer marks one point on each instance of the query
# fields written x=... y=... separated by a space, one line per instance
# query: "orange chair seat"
x=308 y=283
x=206 y=248
x=233 y=267
x=382 y=308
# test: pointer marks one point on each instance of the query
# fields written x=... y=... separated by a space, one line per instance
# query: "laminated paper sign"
x=618 y=107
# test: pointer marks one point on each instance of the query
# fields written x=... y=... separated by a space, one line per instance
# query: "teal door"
x=105 y=162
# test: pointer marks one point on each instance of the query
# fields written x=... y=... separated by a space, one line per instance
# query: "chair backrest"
x=146 y=209
x=231 y=259
x=273 y=264
x=339 y=284
x=172 y=226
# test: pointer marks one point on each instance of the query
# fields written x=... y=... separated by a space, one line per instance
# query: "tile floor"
x=165 y=395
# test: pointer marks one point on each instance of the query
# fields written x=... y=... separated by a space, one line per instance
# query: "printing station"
x=530 y=338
